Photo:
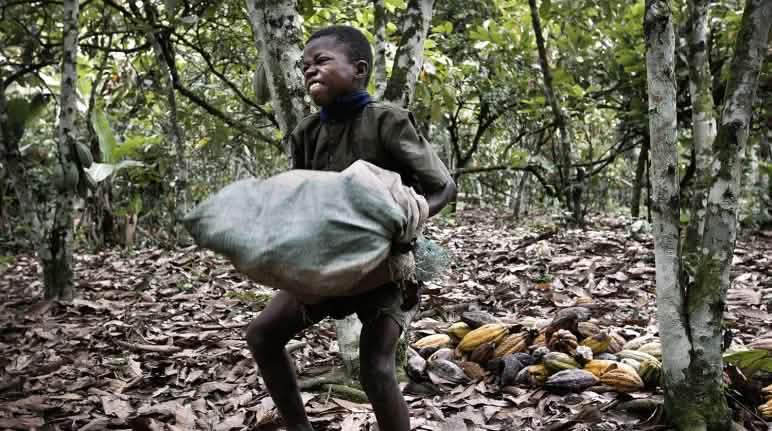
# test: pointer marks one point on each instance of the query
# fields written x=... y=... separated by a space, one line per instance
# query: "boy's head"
x=336 y=62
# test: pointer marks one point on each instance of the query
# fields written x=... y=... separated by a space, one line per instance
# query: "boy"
x=350 y=126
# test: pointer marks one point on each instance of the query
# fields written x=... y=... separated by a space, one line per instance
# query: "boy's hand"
x=437 y=200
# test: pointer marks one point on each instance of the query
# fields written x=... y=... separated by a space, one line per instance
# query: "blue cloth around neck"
x=344 y=107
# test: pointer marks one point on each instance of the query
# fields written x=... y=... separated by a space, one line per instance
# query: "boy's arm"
x=437 y=200
x=415 y=155
x=296 y=153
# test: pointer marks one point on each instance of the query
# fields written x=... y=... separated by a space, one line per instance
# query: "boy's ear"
x=361 y=69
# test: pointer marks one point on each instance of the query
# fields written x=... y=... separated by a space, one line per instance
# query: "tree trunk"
x=703 y=118
x=706 y=298
x=164 y=54
x=15 y=171
x=640 y=179
x=690 y=315
x=56 y=247
x=765 y=179
x=560 y=119
x=519 y=197
x=409 y=59
x=279 y=38
x=379 y=46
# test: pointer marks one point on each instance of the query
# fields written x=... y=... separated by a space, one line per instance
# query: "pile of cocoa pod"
x=568 y=354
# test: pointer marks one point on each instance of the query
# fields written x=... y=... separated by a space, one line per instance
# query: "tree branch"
x=208 y=59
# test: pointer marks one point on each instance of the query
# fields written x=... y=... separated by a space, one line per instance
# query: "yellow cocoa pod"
x=636 y=355
x=539 y=341
x=598 y=342
x=458 y=330
x=766 y=410
x=622 y=380
x=558 y=361
x=486 y=333
x=588 y=329
x=654 y=349
x=651 y=373
x=537 y=374
x=436 y=340
x=599 y=366
x=766 y=393
x=616 y=343
x=638 y=342
x=513 y=343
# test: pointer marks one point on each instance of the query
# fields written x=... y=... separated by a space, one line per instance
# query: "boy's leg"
x=281 y=319
x=377 y=348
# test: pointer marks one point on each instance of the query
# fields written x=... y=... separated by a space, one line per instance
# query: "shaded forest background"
x=479 y=98
x=557 y=116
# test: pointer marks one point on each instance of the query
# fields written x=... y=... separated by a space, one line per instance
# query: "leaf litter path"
x=154 y=340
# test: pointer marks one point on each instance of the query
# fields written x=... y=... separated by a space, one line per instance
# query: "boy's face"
x=328 y=71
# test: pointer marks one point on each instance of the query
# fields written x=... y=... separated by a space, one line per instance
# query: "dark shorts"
x=387 y=300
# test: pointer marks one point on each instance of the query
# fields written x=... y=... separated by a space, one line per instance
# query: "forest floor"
x=154 y=339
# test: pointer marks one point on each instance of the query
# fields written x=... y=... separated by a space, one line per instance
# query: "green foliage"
x=750 y=361
x=104 y=133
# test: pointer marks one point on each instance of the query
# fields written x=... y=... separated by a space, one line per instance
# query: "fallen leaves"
x=155 y=340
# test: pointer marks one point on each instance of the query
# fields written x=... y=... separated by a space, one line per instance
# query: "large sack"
x=313 y=233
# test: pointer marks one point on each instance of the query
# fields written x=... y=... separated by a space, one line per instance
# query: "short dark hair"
x=355 y=40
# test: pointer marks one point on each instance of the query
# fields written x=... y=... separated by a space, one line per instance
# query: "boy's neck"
x=345 y=107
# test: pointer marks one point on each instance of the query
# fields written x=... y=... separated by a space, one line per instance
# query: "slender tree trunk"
x=703 y=118
x=279 y=38
x=56 y=248
x=706 y=298
x=765 y=186
x=410 y=53
x=640 y=179
x=519 y=197
x=560 y=117
x=164 y=54
x=14 y=166
x=690 y=298
x=673 y=324
x=379 y=46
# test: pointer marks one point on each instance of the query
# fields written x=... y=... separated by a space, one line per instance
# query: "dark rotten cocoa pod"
x=524 y=358
x=475 y=319
x=483 y=353
x=509 y=369
x=573 y=380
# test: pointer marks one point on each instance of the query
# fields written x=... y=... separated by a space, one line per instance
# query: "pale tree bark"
x=703 y=117
x=409 y=58
x=56 y=247
x=560 y=118
x=660 y=77
x=706 y=298
x=278 y=35
x=691 y=293
x=379 y=56
x=640 y=179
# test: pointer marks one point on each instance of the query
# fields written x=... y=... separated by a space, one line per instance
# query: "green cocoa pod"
x=260 y=84
x=84 y=155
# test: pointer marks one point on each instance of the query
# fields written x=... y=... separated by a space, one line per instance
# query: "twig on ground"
x=149 y=347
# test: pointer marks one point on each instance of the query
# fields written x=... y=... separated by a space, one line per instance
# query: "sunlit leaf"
x=104 y=132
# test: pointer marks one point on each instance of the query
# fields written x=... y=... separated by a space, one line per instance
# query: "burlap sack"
x=314 y=233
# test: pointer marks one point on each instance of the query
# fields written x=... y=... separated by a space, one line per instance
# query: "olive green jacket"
x=382 y=134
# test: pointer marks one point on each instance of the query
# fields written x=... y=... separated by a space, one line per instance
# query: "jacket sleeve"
x=296 y=149
x=412 y=152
